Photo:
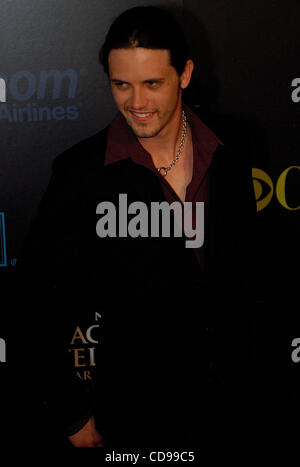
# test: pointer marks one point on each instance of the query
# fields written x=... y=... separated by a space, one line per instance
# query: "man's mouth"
x=141 y=116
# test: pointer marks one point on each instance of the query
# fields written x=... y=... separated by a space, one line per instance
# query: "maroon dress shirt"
x=122 y=143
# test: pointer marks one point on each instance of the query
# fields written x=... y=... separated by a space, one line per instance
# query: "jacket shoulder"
x=89 y=151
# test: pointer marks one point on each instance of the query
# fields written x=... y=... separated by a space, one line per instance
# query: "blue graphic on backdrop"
x=49 y=85
x=3 y=255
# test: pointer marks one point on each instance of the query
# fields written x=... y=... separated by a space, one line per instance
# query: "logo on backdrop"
x=264 y=188
x=34 y=97
x=82 y=347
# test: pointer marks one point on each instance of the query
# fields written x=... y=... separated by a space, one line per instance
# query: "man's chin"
x=141 y=130
x=146 y=134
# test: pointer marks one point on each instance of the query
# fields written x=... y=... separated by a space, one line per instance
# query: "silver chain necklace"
x=164 y=170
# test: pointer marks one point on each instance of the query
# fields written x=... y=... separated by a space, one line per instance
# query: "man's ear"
x=186 y=75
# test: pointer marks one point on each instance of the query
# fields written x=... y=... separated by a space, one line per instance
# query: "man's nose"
x=138 y=99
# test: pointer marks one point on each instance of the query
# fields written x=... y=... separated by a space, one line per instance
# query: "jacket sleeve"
x=48 y=277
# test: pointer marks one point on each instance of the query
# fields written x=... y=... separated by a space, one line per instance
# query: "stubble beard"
x=140 y=129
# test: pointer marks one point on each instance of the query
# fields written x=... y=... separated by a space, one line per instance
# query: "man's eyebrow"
x=116 y=80
x=160 y=80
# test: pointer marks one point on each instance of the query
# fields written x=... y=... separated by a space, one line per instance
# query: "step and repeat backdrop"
x=54 y=93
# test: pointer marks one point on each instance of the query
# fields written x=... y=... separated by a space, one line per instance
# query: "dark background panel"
x=253 y=52
x=42 y=36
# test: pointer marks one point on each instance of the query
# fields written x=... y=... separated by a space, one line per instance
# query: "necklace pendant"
x=164 y=169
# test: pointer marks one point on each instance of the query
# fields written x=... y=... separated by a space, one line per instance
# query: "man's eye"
x=121 y=84
x=152 y=84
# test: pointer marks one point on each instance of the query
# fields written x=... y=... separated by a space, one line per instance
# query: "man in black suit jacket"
x=174 y=364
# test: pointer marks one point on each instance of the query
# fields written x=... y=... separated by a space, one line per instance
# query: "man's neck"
x=163 y=147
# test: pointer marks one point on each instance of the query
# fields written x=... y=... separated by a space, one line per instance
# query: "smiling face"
x=147 y=89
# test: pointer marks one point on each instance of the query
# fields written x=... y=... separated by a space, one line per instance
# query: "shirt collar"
x=122 y=143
